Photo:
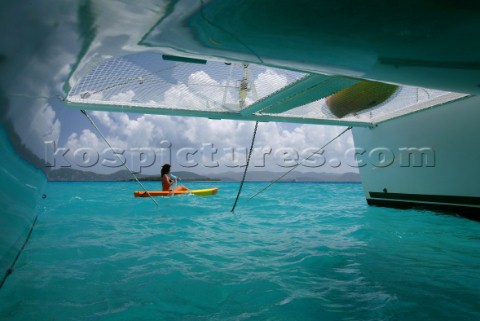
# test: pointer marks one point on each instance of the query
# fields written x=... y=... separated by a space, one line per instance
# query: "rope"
x=246 y=167
x=274 y=181
x=124 y=164
x=10 y=269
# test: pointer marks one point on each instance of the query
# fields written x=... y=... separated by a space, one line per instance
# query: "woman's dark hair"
x=165 y=169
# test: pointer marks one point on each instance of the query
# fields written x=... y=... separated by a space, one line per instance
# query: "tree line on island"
x=70 y=174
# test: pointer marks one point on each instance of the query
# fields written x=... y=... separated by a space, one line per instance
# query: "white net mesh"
x=405 y=100
x=147 y=83
x=148 y=80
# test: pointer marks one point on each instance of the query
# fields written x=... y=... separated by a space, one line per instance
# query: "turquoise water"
x=296 y=252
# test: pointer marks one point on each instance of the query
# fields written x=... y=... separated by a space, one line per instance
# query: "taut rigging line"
x=124 y=164
x=291 y=169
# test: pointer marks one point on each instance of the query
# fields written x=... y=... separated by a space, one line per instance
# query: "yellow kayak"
x=198 y=192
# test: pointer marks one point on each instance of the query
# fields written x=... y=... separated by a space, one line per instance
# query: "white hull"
x=448 y=178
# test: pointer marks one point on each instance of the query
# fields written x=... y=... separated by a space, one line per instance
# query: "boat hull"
x=428 y=159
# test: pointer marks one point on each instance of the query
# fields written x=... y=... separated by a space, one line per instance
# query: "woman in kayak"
x=167 y=181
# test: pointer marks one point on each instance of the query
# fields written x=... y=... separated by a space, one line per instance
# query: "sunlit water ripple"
x=294 y=252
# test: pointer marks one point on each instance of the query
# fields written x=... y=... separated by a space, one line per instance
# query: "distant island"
x=69 y=174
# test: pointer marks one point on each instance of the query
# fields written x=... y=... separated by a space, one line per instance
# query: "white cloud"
x=200 y=92
x=124 y=96
x=88 y=139
x=105 y=120
x=268 y=82
x=130 y=131
x=45 y=124
x=179 y=96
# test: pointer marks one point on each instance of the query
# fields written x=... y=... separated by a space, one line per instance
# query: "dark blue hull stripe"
x=421 y=198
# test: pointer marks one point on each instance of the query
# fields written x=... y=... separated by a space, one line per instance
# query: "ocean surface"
x=298 y=251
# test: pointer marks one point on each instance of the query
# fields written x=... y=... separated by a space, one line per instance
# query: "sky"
x=50 y=55
x=65 y=138
x=196 y=145
x=144 y=142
